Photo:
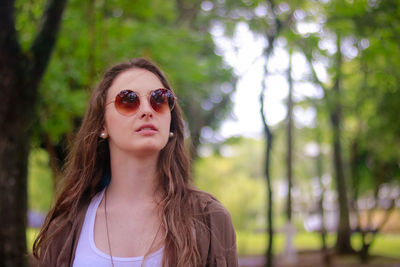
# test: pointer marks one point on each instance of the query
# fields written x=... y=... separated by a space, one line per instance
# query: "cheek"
x=167 y=123
x=112 y=124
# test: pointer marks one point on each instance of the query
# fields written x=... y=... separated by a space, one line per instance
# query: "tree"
x=271 y=34
x=190 y=15
x=343 y=244
x=357 y=97
x=289 y=121
x=270 y=26
x=333 y=100
x=97 y=34
x=21 y=72
x=332 y=95
x=375 y=96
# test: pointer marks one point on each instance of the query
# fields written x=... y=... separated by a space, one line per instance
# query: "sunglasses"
x=127 y=102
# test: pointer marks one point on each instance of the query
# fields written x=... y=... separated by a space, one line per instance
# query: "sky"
x=244 y=54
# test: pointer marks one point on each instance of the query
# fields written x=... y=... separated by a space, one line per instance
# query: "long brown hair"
x=88 y=162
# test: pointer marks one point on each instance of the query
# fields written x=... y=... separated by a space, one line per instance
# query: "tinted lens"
x=162 y=100
x=127 y=102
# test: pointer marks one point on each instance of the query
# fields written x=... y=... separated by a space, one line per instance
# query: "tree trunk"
x=14 y=150
x=195 y=138
x=269 y=197
x=268 y=141
x=20 y=75
x=289 y=140
x=270 y=35
x=364 y=249
x=319 y=167
x=344 y=232
x=55 y=161
x=334 y=106
x=289 y=252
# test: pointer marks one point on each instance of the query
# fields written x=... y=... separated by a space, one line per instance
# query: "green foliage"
x=234 y=174
x=28 y=14
x=96 y=34
x=369 y=82
x=40 y=181
x=373 y=94
x=241 y=194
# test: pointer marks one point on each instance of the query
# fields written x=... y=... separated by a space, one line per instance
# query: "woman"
x=127 y=198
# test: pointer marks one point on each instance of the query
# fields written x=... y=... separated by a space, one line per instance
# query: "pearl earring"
x=171 y=134
x=103 y=135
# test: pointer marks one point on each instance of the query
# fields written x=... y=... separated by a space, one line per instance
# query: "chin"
x=148 y=149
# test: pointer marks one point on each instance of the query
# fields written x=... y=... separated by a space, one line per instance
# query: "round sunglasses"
x=127 y=102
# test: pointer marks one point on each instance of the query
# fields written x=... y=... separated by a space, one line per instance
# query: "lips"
x=147 y=127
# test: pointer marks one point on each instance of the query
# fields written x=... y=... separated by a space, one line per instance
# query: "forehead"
x=139 y=80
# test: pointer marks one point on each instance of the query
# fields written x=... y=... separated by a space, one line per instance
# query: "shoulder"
x=218 y=220
x=216 y=234
x=62 y=234
x=55 y=238
x=207 y=205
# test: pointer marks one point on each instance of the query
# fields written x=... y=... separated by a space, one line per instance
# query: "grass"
x=31 y=234
x=384 y=244
x=255 y=244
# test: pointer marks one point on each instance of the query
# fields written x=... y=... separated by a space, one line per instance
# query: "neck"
x=133 y=179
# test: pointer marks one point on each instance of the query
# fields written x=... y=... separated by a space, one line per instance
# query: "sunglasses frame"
x=148 y=96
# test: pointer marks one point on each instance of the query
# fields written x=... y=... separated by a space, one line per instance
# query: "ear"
x=104 y=128
x=104 y=133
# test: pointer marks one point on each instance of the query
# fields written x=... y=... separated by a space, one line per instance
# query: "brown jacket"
x=217 y=246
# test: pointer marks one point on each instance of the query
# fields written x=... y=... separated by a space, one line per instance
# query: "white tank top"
x=87 y=254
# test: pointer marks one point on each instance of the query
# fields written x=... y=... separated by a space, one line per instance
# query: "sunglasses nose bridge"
x=145 y=105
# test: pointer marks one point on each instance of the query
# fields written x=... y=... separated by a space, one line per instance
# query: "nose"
x=145 y=109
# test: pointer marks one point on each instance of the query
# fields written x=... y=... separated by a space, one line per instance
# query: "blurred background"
x=291 y=108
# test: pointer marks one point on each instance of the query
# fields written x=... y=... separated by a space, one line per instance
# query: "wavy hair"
x=89 y=160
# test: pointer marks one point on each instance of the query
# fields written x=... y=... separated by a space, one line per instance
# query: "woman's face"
x=145 y=132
